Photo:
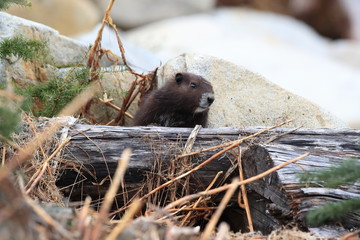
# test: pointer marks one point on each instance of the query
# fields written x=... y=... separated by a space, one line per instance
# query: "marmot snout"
x=183 y=101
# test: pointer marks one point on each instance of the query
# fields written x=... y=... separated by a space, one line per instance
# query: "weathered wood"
x=289 y=198
x=275 y=200
x=98 y=148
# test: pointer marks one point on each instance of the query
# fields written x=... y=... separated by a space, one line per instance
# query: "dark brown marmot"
x=183 y=101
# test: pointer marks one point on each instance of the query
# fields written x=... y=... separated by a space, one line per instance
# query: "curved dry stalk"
x=244 y=194
x=200 y=198
x=107 y=101
x=225 y=187
x=97 y=43
x=39 y=173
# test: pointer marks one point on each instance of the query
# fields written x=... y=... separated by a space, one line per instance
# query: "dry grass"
x=165 y=210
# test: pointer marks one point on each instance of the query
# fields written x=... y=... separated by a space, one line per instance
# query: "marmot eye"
x=193 y=85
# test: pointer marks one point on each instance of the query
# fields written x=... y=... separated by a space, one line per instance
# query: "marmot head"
x=190 y=92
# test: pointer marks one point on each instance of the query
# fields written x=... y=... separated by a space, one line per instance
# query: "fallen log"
x=93 y=152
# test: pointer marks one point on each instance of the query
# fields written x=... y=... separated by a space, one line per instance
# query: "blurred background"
x=309 y=47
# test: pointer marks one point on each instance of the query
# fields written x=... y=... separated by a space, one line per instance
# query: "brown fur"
x=183 y=101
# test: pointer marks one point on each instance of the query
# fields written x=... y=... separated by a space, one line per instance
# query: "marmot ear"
x=178 y=78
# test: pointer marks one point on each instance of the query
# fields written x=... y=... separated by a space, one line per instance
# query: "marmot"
x=183 y=101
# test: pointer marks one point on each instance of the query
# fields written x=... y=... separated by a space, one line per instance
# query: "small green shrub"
x=5 y=4
x=50 y=97
x=347 y=172
x=332 y=211
x=27 y=49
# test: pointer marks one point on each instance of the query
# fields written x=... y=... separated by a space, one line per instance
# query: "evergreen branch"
x=21 y=47
x=332 y=211
x=347 y=172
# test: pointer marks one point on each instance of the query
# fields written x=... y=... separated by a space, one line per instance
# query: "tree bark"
x=93 y=153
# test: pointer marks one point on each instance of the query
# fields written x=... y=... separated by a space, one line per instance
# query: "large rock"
x=63 y=51
x=67 y=16
x=284 y=50
x=129 y=13
x=243 y=98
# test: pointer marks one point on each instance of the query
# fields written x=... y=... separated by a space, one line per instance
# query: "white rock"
x=130 y=13
x=285 y=51
x=243 y=98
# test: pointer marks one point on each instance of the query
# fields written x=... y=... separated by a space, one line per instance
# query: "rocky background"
x=268 y=60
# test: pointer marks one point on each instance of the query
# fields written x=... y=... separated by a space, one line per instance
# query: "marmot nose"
x=210 y=99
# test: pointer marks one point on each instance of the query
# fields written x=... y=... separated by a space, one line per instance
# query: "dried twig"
x=225 y=187
x=244 y=194
x=236 y=142
x=191 y=139
x=107 y=101
x=200 y=198
x=93 y=63
x=350 y=235
x=39 y=173
x=280 y=135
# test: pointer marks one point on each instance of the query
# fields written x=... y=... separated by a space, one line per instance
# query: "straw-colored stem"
x=225 y=187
